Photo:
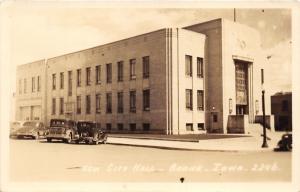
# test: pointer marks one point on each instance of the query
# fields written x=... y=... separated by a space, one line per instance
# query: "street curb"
x=161 y=139
x=187 y=149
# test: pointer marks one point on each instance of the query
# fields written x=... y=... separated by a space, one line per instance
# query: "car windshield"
x=30 y=124
x=57 y=123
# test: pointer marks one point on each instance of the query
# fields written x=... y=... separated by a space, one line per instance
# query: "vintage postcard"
x=144 y=96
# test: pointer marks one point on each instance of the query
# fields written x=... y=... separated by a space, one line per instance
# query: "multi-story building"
x=281 y=107
x=173 y=81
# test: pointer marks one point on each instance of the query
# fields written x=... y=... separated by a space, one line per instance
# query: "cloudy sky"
x=45 y=32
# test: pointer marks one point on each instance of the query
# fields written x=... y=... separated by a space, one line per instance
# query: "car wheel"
x=49 y=140
x=288 y=147
x=77 y=141
x=69 y=139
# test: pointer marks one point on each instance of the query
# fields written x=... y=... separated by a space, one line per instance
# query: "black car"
x=90 y=133
x=286 y=142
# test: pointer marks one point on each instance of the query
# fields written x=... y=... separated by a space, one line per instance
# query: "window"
x=54 y=81
x=146 y=63
x=98 y=103
x=70 y=83
x=120 y=126
x=38 y=83
x=61 y=80
x=78 y=104
x=132 y=101
x=189 y=99
x=215 y=118
x=285 y=105
x=53 y=106
x=132 y=126
x=120 y=71
x=61 y=105
x=78 y=77
x=108 y=73
x=33 y=84
x=189 y=127
x=146 y=100
x=108 y=103
x=25 y=85
x=88 y=76
x=98 y=74
x=132 y=69
x=120 y=102
x=108 y=126
x=199 y=67
x=200 y=103
x=188 y=65
x=88 y=104
x=201 y=126
x=20 y=86
x=146 y=127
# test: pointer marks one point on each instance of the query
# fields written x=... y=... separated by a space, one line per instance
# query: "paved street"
x=37 y=160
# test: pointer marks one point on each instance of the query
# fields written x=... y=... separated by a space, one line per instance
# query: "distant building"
x=172 y=81
x=281 y=107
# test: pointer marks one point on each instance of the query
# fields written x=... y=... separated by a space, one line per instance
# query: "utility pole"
x=234 y=15
x=265 y=144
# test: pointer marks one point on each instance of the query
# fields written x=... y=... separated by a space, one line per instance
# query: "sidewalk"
x=220 y=144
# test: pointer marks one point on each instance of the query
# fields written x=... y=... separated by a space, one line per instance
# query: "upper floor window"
x=120 y=102
x=25 y=85
x=199 y=67
x=188 y=65
x=189 y=99
x=61 y=103
x=20 y=86
x=146 y=67
x=88 y=76
x=146 y=100
x=200 y=98
x=88 y=104
x=54 y=81
x=78 y=104
x=38 y=83
x=53 y=106
x=33 y=84
x=98 y=103
x=70 y=83
x=61 y=80
x=108 y=73
x=108 y=103
x=98 y=74
x=132 y=102
x=78 y=77
x=132 y=69
x=120 y=71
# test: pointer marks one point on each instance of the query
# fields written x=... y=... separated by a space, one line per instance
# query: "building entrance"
x=241 y=84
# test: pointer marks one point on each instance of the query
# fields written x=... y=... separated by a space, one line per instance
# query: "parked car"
x=90 y=133
x=61 y=129
x=33 y=129
x=15 y=125
x=286 y=142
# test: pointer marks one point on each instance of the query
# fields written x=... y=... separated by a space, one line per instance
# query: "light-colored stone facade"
x=218 y=44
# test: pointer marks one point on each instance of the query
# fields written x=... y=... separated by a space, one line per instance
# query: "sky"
x=45 y=31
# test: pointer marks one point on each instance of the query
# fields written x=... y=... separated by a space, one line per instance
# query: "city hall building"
x=204 y=77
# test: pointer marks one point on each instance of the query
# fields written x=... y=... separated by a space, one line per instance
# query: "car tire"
x=77 y=141
x=288 y=147
x=49 y=140
x=69 y=139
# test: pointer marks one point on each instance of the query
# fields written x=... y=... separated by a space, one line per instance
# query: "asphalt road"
x=39 y=161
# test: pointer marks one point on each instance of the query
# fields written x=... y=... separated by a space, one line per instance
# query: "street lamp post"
x=265 y=144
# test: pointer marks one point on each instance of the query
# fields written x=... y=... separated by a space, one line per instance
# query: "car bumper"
x=56 y=136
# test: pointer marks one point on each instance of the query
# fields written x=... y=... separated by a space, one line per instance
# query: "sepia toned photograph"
x=135 y=94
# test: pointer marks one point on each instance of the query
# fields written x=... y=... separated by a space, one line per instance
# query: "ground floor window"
x=120 y=126
x=189 y=126
x=132 y=126
x=146 y=126
x=108 y=126
x=201 y=126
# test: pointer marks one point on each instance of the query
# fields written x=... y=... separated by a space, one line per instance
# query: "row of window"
x=98 y=68
x=35 y=85
x=189 y=126
x=189 y=99
x=120 y=103
x=132 y=126
x=189 y=66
